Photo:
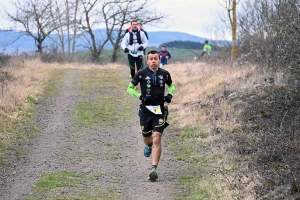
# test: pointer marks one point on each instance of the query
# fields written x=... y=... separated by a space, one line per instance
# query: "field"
x=178 y=55
x=233 y=132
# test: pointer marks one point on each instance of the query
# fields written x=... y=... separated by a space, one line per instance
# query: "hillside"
x=12 y=41
x=157 y=38
x=234 y=133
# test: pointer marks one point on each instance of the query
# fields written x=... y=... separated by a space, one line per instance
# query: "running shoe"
x=153 y=174
x=147 y=150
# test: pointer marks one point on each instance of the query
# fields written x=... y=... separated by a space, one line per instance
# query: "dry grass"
x=212 y=100
x=197 y=83
x=21 y=83
x=208 y=111
x=27 y=80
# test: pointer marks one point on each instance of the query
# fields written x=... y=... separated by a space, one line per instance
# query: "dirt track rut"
x=61 y=146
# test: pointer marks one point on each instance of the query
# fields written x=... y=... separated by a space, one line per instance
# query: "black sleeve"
x=146 y=35
x=135 y=80
x=169 y=79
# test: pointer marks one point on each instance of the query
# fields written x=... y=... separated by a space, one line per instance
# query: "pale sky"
x=196 y=17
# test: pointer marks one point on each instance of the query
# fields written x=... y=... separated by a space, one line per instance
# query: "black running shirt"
x=153 y=83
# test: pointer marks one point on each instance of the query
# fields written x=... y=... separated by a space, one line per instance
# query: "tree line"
x=265 y=32
x=74 y=19
x=184 y=45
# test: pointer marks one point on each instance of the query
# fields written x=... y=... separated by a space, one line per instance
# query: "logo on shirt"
x=140 y=76
x=160 y=121
x=160 y=76
x=161 y=83
x=147 y=78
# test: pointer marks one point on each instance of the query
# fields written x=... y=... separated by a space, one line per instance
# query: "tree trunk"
x=233 y=27
x=39 y=46
x=114 y=55
x=75 y=27
x=68 y=26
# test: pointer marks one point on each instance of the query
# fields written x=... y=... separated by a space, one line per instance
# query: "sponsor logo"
x=160 y=76
x=161 y=83
x=148 y=86
x=161 y=121
x=147 y=78
x=140 y=77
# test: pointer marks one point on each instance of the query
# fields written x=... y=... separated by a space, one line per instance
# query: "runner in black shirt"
x=152 y=112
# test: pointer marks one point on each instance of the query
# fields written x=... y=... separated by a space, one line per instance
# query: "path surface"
x=62 y=147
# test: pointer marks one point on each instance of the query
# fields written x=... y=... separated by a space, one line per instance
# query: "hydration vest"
x=138 y=36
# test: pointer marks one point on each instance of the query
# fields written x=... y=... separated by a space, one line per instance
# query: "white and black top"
x=133 y=48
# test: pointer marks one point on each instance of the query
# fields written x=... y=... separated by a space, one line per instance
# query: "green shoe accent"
x=147 y=150
x=153 y=174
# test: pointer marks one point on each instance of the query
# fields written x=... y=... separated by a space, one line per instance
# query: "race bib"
x=155 y=109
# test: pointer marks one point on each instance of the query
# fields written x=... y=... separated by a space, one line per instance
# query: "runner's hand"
x=126 y=50
x=141 y=98
x=146 y=100
x=141 y=48
x=168 y=98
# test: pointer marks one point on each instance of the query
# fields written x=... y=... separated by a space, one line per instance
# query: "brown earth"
x=62 y=146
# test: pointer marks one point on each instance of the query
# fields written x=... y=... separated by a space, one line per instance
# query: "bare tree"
x=58 y=16
x=33 y=17
x=75 y=27
x=230 y=6
x=118 y=13
x=95 y=38
x=269 y=30
x=64 y=16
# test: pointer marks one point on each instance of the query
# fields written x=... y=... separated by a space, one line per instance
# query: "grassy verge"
x=104 y=99
x=207 y=114
x=19 y=94
x=103 y=102
x=178 y=55
x=69 y=185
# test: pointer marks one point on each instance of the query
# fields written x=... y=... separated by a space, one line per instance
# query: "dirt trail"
x=62 y=147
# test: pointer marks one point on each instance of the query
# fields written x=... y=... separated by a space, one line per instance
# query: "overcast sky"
x=195 y=17
x=191 y=16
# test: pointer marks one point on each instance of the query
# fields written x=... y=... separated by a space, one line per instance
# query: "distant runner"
x=164 y=56
x=206 y=48
x=133 y=43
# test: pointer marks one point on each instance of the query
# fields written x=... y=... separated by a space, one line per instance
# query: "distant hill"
x=161 y=37
x=184 y=44
x=25 y=43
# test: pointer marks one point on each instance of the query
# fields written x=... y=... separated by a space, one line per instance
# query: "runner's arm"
x=171 y=89
x=132 y=91
x=124 y=43
x=144 y=39
x=146 y=35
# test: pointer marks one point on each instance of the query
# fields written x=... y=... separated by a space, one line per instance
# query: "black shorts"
x=151 y=122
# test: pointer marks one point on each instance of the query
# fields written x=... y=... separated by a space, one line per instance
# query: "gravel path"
x=61 y=146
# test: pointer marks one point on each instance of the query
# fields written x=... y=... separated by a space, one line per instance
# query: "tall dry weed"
x=214 y=98
x=22 y=81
